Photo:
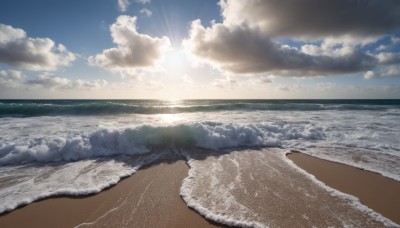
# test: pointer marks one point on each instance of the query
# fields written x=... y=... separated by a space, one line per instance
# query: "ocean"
x=80 y=147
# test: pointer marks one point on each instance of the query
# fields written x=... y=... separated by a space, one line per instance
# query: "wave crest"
x=146 y=138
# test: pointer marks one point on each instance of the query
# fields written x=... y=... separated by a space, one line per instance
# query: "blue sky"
x=175 y=49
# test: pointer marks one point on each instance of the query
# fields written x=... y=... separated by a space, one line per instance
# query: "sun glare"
x=171 y=118
x=175 y=60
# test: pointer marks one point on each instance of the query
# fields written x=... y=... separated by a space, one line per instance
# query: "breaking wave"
x=145 y=138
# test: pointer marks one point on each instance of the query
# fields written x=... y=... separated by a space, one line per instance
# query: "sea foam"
x=142 y=139
x=64 y=149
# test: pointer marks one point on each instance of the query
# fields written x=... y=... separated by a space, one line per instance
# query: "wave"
x=33 y=108
x=146 y=138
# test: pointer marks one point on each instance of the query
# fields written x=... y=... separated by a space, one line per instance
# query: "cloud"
x=123 y=5
x=187 y=80
x=16 y=79
x=391 y=71
x=240 y=49
x=36 y=54
x=55 y=82
x=325 y=37
x=388 y=58
x=283 y=88
x=292 y=88
x=147 y=12
x=395 y=39
x=226 y=82
x=260 y=80
x=48 y=81
x=10 y=78
x=142 y=1
x=314 y=17
x=134 y=50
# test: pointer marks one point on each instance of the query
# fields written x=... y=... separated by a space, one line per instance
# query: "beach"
x=151 y=198
x=374 y=190
x=137 y=201
x=203 y=163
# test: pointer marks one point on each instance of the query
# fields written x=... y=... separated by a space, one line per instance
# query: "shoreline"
x=151 y=198
x=377 y=192
x=135 y=201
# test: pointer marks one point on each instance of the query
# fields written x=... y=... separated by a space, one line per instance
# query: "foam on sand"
x=261 y=188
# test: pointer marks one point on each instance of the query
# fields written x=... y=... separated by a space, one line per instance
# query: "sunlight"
x=171 y=118
x=175 y=60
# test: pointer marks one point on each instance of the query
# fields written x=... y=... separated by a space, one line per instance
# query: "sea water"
x=78 y=147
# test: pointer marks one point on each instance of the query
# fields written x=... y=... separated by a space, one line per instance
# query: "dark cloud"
x=243 y=50
x=333 y=35
x=55 y=82
x=315 y=17
x=37 y=54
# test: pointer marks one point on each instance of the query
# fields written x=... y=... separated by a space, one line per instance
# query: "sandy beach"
x=374 y=190
x=150 y=198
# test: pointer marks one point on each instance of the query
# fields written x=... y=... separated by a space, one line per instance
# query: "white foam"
x=226 y=202
x=24 y=184
x=141 y=139
x=30 y=146
x=352 y=200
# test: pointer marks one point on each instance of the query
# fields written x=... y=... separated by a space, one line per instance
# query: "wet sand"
x=374 y=190
x=149 y=198
x=261 y=187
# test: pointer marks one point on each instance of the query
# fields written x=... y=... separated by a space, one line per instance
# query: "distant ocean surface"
x=77 y=147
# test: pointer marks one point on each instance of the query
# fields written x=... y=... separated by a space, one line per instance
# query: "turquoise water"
x=29 y=108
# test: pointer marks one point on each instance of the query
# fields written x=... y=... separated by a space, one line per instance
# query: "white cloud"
x=283 y=88
x=134 y=51
x=226 y=82
x=154 y=84
x=390 y=71
x=146 y=11
x=16 y=79
x=48 y=81
x=291 y=88
x=123 y=5
x=11 y=78
x=142 y=1
x=187 y=80
x=61 y=83
x=395 y=39
x=381 y=47
x=36 y=54
x=388 y=58
x=87 y=84
x=260 y=80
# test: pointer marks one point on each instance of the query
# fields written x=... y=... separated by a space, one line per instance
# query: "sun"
x=175 y=60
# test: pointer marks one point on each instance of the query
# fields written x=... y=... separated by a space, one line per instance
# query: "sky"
x=203 y=49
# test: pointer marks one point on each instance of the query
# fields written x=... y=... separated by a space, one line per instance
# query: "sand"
x=149 y=198
x=261 y=186
x=374 y=190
